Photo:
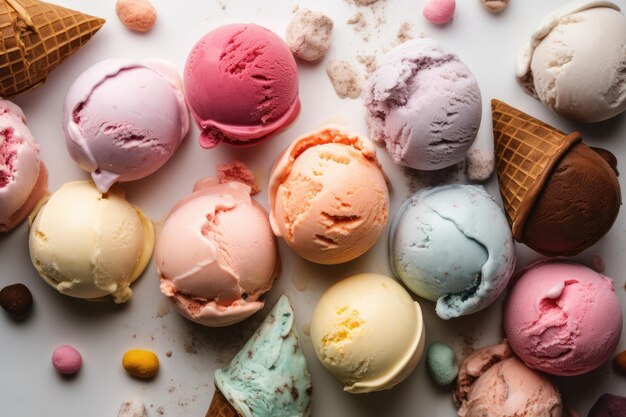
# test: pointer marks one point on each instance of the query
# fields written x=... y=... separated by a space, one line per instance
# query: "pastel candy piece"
x=67 y=360
x=442 y=365
x=16 y=300
x=141 y=363
x=609 y=405
x=132 y=408
x=439 y=11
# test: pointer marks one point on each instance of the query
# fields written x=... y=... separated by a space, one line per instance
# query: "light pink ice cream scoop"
x=124 y=120
x=23 y=177
x=216 y=255
x=492 y=382
x=241 y=84
x=424 y=105
x=563 y=318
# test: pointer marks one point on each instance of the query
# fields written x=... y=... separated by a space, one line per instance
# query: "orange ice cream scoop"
x=328 y=196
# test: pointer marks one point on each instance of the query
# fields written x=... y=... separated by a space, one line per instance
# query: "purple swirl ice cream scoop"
x=424 y=104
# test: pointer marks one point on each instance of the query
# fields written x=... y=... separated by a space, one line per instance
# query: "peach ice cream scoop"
x=216 y=255
x=328 y=196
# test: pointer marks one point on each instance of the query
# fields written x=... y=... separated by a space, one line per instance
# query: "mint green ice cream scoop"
x=269 y=376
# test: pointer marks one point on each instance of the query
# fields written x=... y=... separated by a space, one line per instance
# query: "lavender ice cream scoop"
x=124 y=119
x=424 y=104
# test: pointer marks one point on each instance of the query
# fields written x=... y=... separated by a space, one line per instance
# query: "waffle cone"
x=220 y=407
x=526 y=151
x=36 y=38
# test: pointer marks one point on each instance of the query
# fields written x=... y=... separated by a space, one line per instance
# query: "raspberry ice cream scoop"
x=328 y=196
x=563 y=318
x=241 y=84
x=23 y=177
x=424 y=104
x=124 y=120
x=216 y=256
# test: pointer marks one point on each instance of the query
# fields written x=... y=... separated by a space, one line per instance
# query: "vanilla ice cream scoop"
x=575 y=61
x=216 y=255
x=88 y=244
x=328 y=196
x=368 y=332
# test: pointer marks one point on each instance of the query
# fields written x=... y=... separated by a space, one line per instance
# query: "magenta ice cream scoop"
x=241 y=84
x=124 y=120
x=424 y=104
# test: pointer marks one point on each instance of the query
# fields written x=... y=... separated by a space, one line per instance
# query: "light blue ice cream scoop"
x=269 y=376
x=453 y=245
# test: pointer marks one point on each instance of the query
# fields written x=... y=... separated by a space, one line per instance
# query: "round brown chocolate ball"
x=16 y=300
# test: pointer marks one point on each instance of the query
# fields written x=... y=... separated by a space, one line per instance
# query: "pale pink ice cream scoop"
x=492 y=382
x=216 y=255
x=563 y=318
x=124 y=120
x=23 y=177
x=328 y=196
x=241 y=84
x=424 y=104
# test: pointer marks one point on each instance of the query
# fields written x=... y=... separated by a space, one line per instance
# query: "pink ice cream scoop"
x=241 y=84
x=424 y=104
x=124 y=120
x=563 y=318
x=492 y=382
x=216 y=255
x=23 y=177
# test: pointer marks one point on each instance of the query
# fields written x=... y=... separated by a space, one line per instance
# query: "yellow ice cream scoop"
x=88 y=244
x=368 y=332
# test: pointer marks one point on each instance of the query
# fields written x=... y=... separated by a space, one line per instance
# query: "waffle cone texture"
x=526 y=151
x=220 y=407
x=36 y=38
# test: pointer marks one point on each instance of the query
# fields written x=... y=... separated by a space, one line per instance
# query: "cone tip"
x=99 y=21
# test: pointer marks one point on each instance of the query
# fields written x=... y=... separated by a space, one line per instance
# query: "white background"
x=29 y=386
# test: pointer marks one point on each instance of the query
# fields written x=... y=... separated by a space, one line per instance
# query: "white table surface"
x=29 y=387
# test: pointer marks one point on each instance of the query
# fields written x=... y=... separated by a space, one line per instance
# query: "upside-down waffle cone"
x=526 y=151
x=36 y=38
x=220 y=407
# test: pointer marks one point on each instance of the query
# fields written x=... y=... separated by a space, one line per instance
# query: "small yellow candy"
x=141 y=363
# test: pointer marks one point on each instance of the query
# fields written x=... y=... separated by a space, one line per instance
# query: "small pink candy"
x=439 y=11
x=66 y=360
